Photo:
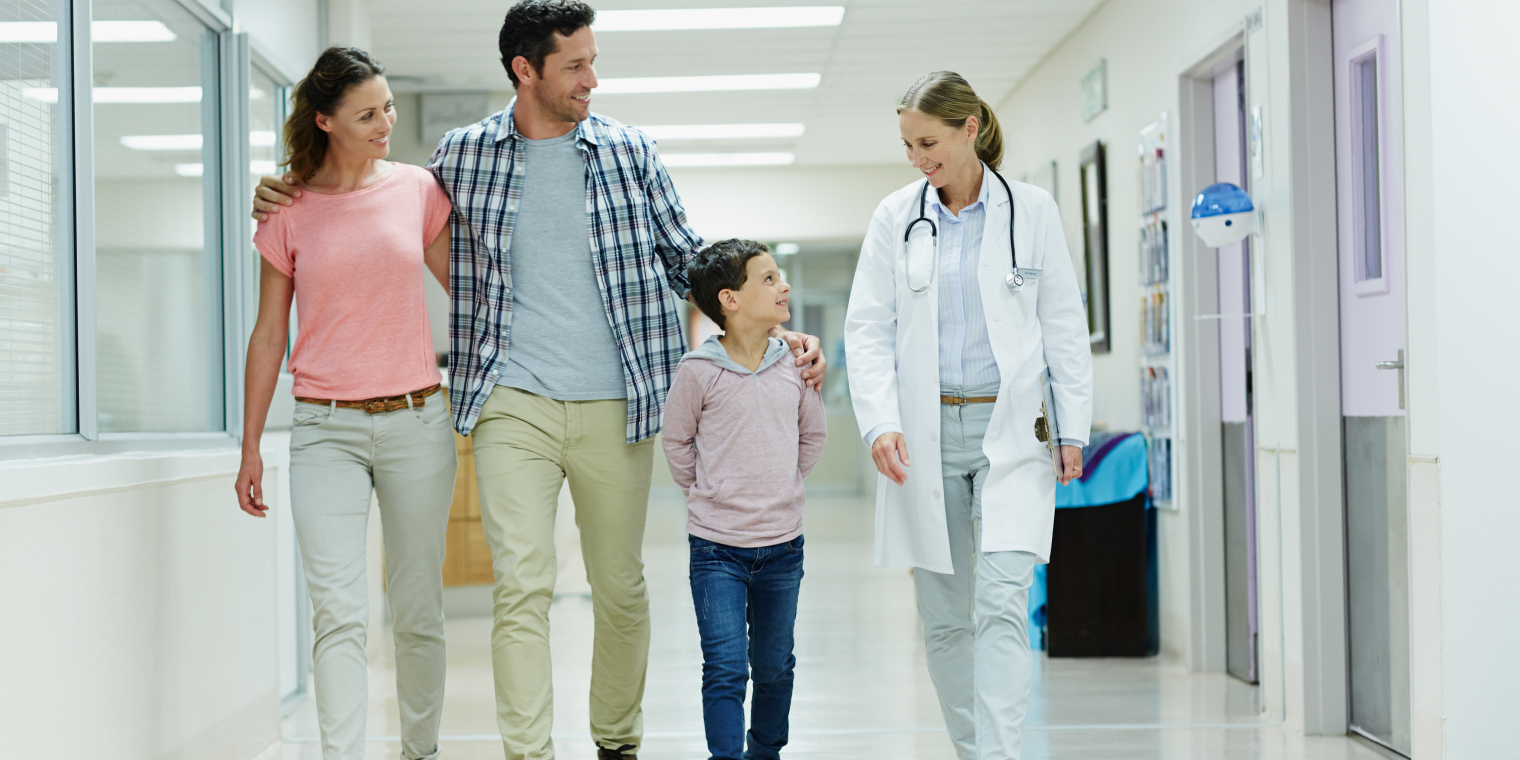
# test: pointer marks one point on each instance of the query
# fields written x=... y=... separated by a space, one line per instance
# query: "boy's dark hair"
x=724 y=265
x=530 y=28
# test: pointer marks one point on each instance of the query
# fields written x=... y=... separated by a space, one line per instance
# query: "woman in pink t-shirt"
x=370 y=418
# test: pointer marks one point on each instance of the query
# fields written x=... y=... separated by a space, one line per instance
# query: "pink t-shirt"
x=357 y=263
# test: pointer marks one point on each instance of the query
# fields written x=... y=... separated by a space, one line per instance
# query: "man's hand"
x=271 y=194
x=1071 y=461
x=886 y=451
x=806 y=349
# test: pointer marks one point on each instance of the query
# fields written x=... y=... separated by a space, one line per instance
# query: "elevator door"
x=1369 y=201
x=1238 y=433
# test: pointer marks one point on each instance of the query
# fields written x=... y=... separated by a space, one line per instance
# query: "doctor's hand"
x=271 y=194
x=806 y=349
x=1071 y=464
x=889 y=448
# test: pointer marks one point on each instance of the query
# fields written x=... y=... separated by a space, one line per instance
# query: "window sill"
x=73 y=469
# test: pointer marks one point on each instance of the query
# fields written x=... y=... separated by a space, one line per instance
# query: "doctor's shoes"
x=602 y=753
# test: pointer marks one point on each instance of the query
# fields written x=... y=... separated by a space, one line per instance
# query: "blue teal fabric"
x=1119 y=476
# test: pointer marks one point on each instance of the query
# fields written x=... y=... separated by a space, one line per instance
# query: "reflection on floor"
x=862 y=689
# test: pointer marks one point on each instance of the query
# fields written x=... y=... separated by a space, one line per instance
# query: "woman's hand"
x=250 y=488
x=807 y=351
x=890 y=448
x=1071 y=464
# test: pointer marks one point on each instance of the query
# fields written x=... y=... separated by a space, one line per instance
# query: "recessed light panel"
x=718 y=18
x=124 y=94
x=632 y=85
x=257 y=139
x=721 y=131
x=197 y=170
x=42 y=32
x=727 y=159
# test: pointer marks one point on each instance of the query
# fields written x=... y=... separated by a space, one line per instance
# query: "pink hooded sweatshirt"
x=739 y=444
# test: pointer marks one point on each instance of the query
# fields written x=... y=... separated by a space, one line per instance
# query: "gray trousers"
x=407 y=458
x=976 y=619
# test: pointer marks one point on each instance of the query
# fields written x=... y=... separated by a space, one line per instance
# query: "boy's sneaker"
x=602 y=753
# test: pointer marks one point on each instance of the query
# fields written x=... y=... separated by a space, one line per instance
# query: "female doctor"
x=950 y=327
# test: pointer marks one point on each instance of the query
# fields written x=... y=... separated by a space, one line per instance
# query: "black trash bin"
x=1101 y=598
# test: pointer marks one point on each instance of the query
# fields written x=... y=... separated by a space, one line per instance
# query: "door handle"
x=1397 y=364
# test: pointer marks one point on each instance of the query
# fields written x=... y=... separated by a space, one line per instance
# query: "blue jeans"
x=737 y=589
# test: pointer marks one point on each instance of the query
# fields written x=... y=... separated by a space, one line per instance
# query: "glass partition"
x=36 y=268
x=159 y=281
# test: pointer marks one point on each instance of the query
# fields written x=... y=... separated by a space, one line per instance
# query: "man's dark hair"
x=530 y=28
x=724 y=265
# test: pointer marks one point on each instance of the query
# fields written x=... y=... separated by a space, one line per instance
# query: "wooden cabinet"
x=468 y=562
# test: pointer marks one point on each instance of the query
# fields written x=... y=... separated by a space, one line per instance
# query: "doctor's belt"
x=959 y=400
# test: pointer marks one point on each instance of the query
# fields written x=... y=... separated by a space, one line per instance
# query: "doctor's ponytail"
x=948 y=97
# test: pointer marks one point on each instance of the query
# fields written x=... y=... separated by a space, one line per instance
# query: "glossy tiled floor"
x=862 y=690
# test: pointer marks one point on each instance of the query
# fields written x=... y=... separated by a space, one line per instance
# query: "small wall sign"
x=1095 y=91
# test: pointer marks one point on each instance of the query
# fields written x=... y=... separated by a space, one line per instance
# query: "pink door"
x=1369 y=199
x=1238 y=431
x=1369 y=168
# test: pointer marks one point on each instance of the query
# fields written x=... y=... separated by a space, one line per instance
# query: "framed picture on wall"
x=1094 y=181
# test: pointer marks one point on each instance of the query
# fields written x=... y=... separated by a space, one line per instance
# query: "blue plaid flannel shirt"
x=640 y=241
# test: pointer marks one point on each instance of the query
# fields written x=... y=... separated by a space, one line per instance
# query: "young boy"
x=741 y=432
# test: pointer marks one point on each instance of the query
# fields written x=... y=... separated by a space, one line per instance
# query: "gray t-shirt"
x=561 y=343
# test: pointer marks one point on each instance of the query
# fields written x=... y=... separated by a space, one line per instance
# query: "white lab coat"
x=892 y=358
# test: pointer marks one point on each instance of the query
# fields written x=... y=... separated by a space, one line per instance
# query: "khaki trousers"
x=406 y=458
x=526 y=446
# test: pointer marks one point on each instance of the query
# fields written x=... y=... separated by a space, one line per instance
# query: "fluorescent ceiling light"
x=188 y=142
x=130 y=31
x=630 y=85
x=728 y=159
x=197 y=170
x=162 y=142
x=124 y=94
x=718 y=18
x=100 y=31
x=787 y=249
x=722 y=131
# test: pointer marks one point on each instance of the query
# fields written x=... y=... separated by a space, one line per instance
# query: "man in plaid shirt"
x=567 y=242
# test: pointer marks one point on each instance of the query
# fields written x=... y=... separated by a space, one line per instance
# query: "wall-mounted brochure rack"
x=1156 y=358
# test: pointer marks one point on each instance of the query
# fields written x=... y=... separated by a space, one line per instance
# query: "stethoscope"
x=1015 y=281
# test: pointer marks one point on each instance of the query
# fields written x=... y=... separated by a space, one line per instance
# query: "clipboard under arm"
x=1047 y=428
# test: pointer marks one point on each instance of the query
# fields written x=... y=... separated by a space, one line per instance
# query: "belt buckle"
x=374 y=405
x=957 y=400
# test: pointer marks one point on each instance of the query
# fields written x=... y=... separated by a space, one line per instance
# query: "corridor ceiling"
x=866 y=63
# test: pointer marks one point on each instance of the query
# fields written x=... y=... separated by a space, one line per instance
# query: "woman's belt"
x=378 y=405
x=958 y=400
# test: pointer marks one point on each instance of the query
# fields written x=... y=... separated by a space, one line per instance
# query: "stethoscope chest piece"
x=1015 y=281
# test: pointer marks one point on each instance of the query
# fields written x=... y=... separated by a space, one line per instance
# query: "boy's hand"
x=886 y=450
x=806 y=348
x=271 y=194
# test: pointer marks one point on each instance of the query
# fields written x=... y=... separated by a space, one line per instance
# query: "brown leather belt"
x=958 y=400
x=378 y=405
